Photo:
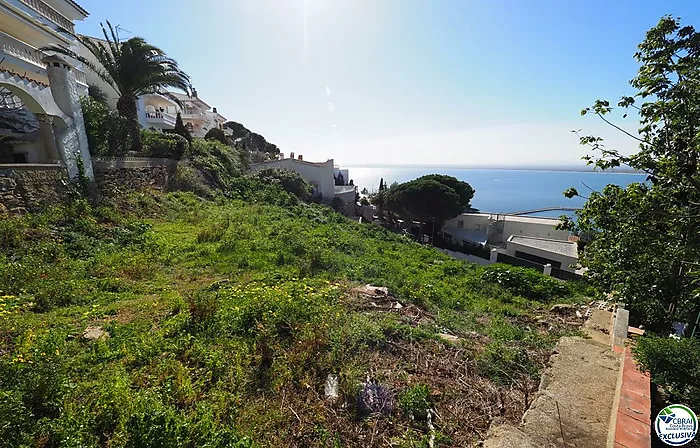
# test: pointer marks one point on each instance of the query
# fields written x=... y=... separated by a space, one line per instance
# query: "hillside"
x=224 y=319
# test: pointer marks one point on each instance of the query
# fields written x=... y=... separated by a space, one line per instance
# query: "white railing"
x=160 y=117
x=50 y=13
x=80 y=77
x=15 y=47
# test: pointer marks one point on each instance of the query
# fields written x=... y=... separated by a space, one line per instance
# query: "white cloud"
x=331 y=107
x=328 y=91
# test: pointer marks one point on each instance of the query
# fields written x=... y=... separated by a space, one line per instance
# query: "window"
x=460 y=223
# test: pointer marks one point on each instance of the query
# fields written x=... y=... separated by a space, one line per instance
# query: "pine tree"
x=381 y=184
x=180 y=128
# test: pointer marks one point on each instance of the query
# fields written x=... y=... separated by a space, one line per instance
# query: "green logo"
x=676 y=425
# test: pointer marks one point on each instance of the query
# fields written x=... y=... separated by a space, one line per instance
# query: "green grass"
x=225 y=317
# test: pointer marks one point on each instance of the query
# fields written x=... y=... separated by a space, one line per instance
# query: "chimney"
x=301 y=157
x=194 y=92
x=291 y=155
x=215 y=110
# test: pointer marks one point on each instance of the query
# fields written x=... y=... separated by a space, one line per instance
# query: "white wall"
x=563 y=259
x=472 y=222
x=318 y=174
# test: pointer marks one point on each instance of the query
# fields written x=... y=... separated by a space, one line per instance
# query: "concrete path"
x=574 y=403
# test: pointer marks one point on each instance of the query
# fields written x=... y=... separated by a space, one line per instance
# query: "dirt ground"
x=574 y=402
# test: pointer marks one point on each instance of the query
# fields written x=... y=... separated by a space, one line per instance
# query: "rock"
x=563 y=309
x=449 y=338
x=93 y=333
x=330 y=389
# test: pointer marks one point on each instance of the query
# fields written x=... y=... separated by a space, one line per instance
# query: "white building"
x=320 y=175
x=560 y=254
x=495 y=229
x=159 y=112
x=41 y=88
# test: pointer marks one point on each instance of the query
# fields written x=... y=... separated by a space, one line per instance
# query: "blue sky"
x=404 y=81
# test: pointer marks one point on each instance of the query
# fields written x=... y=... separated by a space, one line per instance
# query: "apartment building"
x=41 y=120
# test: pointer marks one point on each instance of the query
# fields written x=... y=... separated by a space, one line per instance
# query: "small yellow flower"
x=57 y=352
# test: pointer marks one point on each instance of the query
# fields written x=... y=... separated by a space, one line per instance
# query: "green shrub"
x=158 y=144
x=525 y=282
x=218 y=164
x=290 y=181
x=218 y=135
x=415 y=401
x=107 y=131
x=673 y=364
x=188 y=178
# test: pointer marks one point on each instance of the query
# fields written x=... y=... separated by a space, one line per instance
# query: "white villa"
x=495 y=229
x=39 y=92
x=159 y=112
x=321 y=175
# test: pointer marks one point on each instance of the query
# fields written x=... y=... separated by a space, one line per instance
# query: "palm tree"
x=133 y=68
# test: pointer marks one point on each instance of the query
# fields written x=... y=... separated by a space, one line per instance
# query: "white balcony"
x=163 y=119
x=51 y=14
x=14 y=48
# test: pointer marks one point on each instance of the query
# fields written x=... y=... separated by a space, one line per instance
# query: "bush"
x=218 y=164
x=290 y=181
x=525 y=282
x=107 y=131
x=187 y=178
x=415 y=401
x=673 y=364
x=158 y=144
x=217 y=135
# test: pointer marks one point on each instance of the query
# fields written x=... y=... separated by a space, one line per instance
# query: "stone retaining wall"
x=119 y=175
x=29 y=187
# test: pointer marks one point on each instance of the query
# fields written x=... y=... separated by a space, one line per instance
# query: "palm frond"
x=86 y=62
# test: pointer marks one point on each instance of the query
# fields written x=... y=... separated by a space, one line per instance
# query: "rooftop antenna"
x=119 y=28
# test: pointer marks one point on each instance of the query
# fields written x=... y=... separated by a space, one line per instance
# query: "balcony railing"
x=18 y=49
x=50 y=13
x=160 y=117
x=80 y=77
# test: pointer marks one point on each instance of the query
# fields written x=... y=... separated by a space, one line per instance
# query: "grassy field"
x=225 y=318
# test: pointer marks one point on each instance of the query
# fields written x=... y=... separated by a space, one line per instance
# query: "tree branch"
x=622 y=130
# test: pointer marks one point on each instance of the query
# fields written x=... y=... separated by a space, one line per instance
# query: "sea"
x=506 y=190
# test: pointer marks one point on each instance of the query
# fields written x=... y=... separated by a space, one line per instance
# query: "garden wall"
x=29 y=187
x=116 y=175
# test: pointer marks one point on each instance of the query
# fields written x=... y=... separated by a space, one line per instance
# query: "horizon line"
x=572 y=168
